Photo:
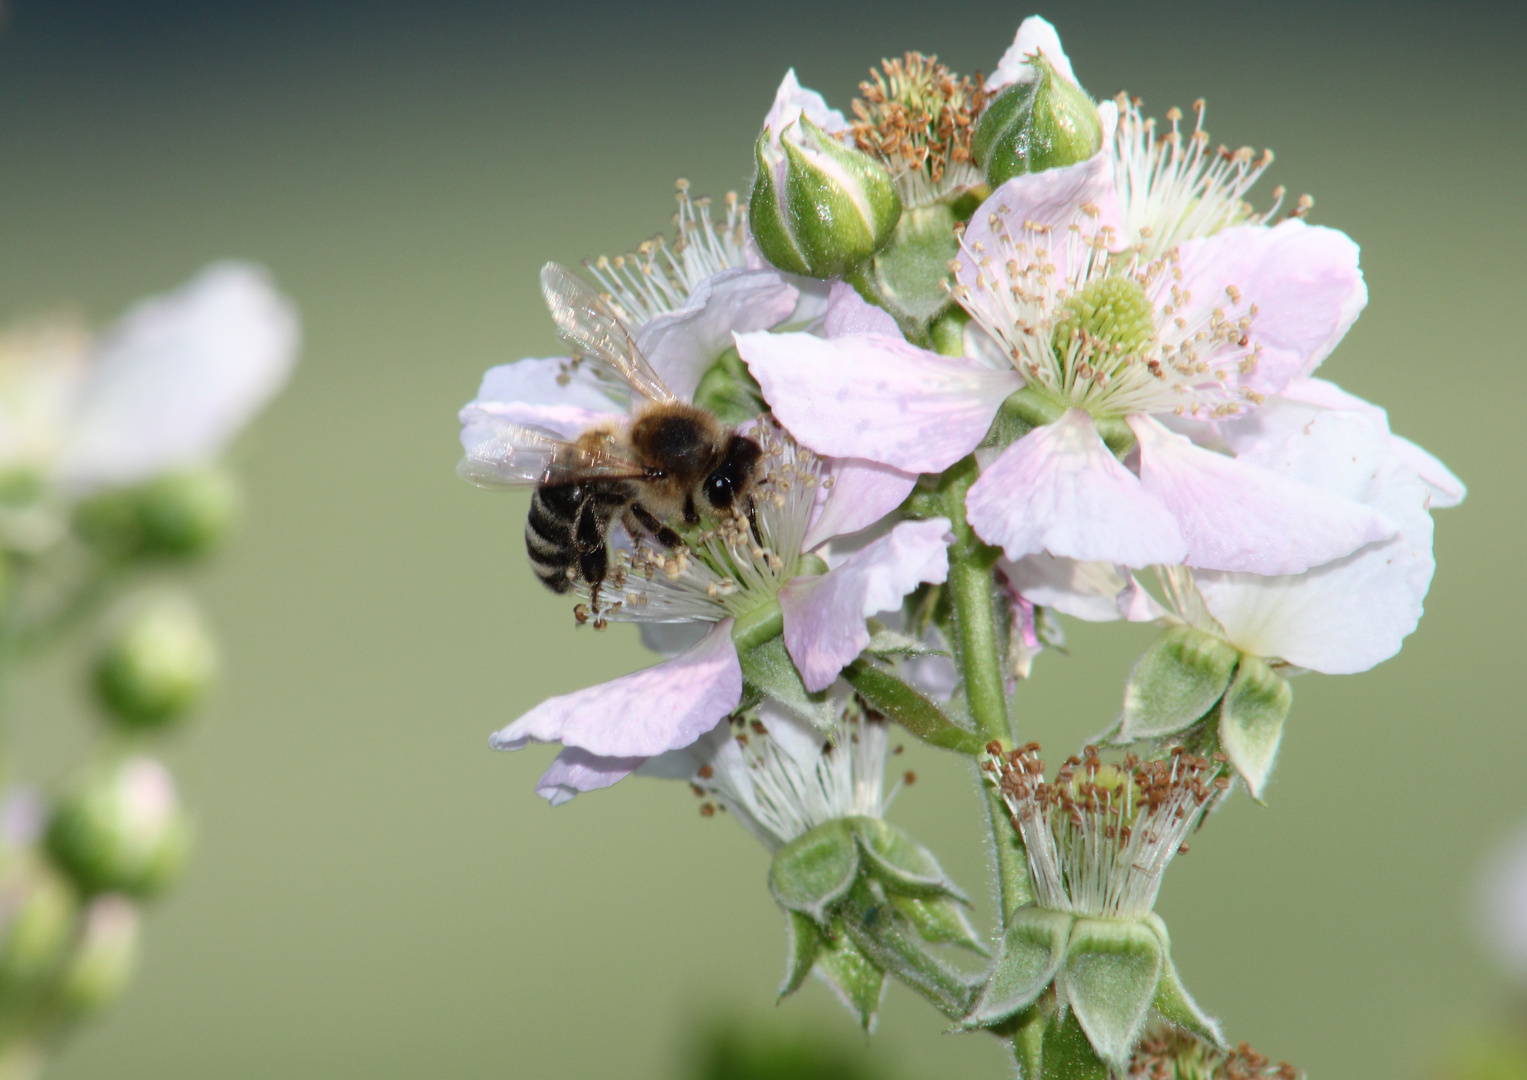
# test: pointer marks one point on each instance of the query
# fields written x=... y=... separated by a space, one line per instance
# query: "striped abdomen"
x=565 y=531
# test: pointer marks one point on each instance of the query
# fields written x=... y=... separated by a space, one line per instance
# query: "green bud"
x=818 y=206
x=1032 y=950
x=1175 y=682
x=37 y=909
x=815 y=870
x=180 y=515
x=120 y=829
x=104 y=956
x=1111 y=974
x=1251 y=721
x=159 y=666
x=1046 y=123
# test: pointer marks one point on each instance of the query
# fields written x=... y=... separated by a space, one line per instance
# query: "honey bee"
x=667 y=463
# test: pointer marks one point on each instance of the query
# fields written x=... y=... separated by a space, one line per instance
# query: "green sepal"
x=803 y=943
x=1251 y=721
x=729 y=390
x=1175 y=682
x=887 y=694
x=768 y=667
x=1173 y=1003
x=909 y=274
x=1046 y=123
x=1032 y=951
x=901 y=864
x=766 y=216
x=815 y=870
x=1067 y=1053
x=946 y=333
x=940 y=921
x=1112 y=970
x=885 y=644
x=858 y=983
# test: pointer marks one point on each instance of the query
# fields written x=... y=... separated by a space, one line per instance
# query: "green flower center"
x=1110 y=316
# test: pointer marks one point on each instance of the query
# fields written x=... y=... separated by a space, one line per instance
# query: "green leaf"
x=803 y=943
x=940 y=921
x=1032 y=950
x=910 y=272
x=1111 y=974
x=815 y=870
x=900 y=863
x=858 y=983
x=887 y=694
x=1176 y=681
x=1251 y=721
x=768 y=668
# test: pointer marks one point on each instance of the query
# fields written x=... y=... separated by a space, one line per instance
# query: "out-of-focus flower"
x=120 y=829
x=1503 y=906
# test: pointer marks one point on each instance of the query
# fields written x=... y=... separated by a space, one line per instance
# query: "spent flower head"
x=917 y=117
x=1170 y=1053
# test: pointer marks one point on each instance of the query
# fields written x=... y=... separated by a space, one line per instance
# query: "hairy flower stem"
x=978 y=648
x=873 y=925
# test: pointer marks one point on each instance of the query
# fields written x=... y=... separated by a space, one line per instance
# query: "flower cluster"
x=989 y=352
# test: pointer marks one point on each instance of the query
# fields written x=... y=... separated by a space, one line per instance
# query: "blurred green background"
x=376 y=894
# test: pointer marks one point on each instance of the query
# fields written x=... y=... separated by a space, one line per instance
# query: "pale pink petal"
x=656 y=709
x=1083 y=590
x=545 y=393
x=1235 y=515
x=850 y=313
x=876 y=397
x=684 y=344
x=1446 y=489
x=1348 y=615
x=179 y=376
x=1035 y=34
x=1136 y=604
x=1059 y=489
x=1303 y=280
x=861 y=493
x=791 y=100
x=575 y=770
x=1053 y=198
x=824 y=616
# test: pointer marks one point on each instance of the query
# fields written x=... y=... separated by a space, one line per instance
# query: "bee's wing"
x=514 y=456
x=586 y=323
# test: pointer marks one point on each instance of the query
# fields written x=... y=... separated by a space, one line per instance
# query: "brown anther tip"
x=909 y=778
x=707 y=810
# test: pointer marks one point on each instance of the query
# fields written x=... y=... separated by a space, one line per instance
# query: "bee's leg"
x=647 y=520
x=753 y=521
x=691 y=515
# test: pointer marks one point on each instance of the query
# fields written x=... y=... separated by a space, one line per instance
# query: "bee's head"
x=732 y=478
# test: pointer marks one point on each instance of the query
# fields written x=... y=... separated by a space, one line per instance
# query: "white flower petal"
x=1303 y=279
x=849 y=313
x=544 y=393
x=1059 y=489
x=684 y=344
x=862 y=492
x=1351 y=614
x=1083 y=590
x=1503 y=906
x=659 y=708
x=876 y=397
x=1235 y=515
x=791 y=100
x=1445 y=488
x=1035 y=34
x=824 y=616
x=574 y=771
x=178 y=376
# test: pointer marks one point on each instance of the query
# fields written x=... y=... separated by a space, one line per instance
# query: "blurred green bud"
x=1251 y=721
x=120 y=829
x=37 y=908
x=180 y=515
x=729 y=390
x=1175 y=682
x=159 y=666
x=1045 y=123
x=104 y=955
x=819 y=207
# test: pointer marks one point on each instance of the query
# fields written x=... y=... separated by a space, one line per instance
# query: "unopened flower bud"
x=819 y=207
x=104 y=955
x=121 y=829
x=159 y=666
x=1045 y=122
x=37 y=909
x=179 y=515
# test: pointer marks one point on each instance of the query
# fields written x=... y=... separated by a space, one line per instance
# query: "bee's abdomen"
x=549 y=535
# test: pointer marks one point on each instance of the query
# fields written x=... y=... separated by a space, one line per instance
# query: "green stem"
x=980 y=657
